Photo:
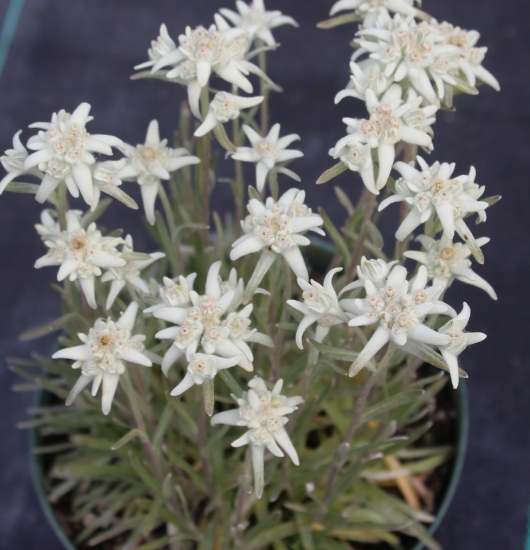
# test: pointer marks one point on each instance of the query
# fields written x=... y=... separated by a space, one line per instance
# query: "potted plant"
x=212 y=358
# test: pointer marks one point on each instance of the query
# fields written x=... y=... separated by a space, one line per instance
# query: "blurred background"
x=64 y=52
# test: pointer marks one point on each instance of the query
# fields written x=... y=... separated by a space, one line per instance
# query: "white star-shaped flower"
x=399 y=308
x=447 y=261
x=267 y=152
x=208 y=324
x=64 y=151
x=365 y=76
x=277 y=227
x=391 y=120
x=82 y=253
x=257 y=20
x=174 y=293
x=13 y=161
x=409 y=51
x=103 y=354
x=459 y=340
x=368 y=10
x=129 y=273
x=152 y=162
x=225 y=107
x=263 y=413
x=160 y=47
x=105 y=179
x=202 y=367
x=431 y=190
x=320 y=305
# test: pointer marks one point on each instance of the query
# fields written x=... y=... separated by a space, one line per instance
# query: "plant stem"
x=240 y=182
x=205 y=163
x=368 y=199
x=264 y=91
x=355 y=423
x=168 y=211
x=280 y=332
x=203 y=448
x=62 y=205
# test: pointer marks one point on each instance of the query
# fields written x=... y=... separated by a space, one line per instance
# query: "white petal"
x=380 y=337
x=46 y=188
x=76 y=353
x=152 y=137
x=83 y=179
x=149 y=194
x=296 y=261
x=80 y=115
x=110 y=383
x=212 y=281
x=230 y=418
x=88 y=288
x=186 y=384
x=129 y=316
x=424 y=334
x=172 y=355
x=80 y=385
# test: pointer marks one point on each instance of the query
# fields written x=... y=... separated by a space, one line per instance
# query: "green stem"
x=62 y=205
x=280 y=332
x=168 y=211
x=264 y=90
x=368 y=199
x=240 y=181
x=205 y=164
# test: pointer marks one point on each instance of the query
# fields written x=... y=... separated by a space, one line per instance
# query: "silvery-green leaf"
x=332 y=172
x=334 y=353
x=423 y=351
x=391 y=403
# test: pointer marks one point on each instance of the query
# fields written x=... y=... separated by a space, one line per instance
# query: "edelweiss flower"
x=49 y=228
x=151 y=162
x=81 y=253
x=13 y=161
x=432 y=190
x=129 y=273
x=267 y=152
x=399 y=309
x=225 y=107
x=106 y=180
x=263 y=413
x=175 y=294
x=256 y=20
x=447 y=261
x=375 y=271
x=391 y=120
x=207 y=323
x=219 y=49
x=367 y=76
x=459 y=340
x=159 y=48
x=203 y=367
x=320 y=305
x=64 y=151
x=103 y=353
x=470 y=59
x=368 y=9
x=411 y=51
x=276 y=226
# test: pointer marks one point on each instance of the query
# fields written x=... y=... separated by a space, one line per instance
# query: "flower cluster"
x=206 y=321
x=368 y=10
x=103 y=354
x=263 y=412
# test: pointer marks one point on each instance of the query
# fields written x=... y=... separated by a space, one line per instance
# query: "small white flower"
x=257 y=20
x=129 y=273
x=49 y=228
x=447 y=261
x=320 y=305
x=225 y=107
x=365 y=76
x=471 y=57
x=459 y=340
x=207 y=323
x=263 y=413
x=151 y=162
x=160 y=47
x=103 y=354
x=64 y=151
x=105 y=177
x=277 y=227
x=13 y=161
x=219 y=49
x=81 y=253
x=175 y=292
x=409 y=51
x=399 y=308
x=267 y=152
x=433 y=191
x=368 y=9
x=391 y=120
x=375 y=271
x=202 y=367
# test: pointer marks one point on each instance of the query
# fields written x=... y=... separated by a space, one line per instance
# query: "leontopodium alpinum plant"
x=233 y=318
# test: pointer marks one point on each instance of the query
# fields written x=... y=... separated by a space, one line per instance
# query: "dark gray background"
x=68 y=51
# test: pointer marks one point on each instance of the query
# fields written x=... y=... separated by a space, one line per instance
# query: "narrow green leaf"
x=121 y=196
x=334 y=353
x=492 y=200
x=373 y=234
x=129 y=437
x=418 y=531
x=160 y=543
x=332 y=172
x=223 y=139
x=47 y=328
x=52 y=449
x=208 y=395
x=344 y=200
x=288 y=326
x=152 y=516
x=144 y=475
x=187 y=468
x=90 y=217
x=253 y=194
x=423 y=351
x=21 y=187
x=275 y=534
x=463 y=86
x=343 y=19
x=135 y=256
x=306 y=537
x=336 y=237
x=231 y=382
x=391 y=403
x=163 y=425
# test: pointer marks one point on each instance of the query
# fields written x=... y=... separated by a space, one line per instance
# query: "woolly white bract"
x=103 y=355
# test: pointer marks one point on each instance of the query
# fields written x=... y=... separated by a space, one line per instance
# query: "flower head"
x=13 y=161
x=206 y=322
x=263 y=412
x=267 y=152
x=174 y=293
x=160 y=47
x=152 y=162
x=432 y=190
x=399 y=309
x=82 y=254
x=129 y=273
x=320 y=305
x=391 y=120
x=225 y=107
x=64 y=151
x=277 y=226
x=366 y=77
x=447 y=261
x=459 y=340
x=368 y=10
x=257 y=20
x=103 y=354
